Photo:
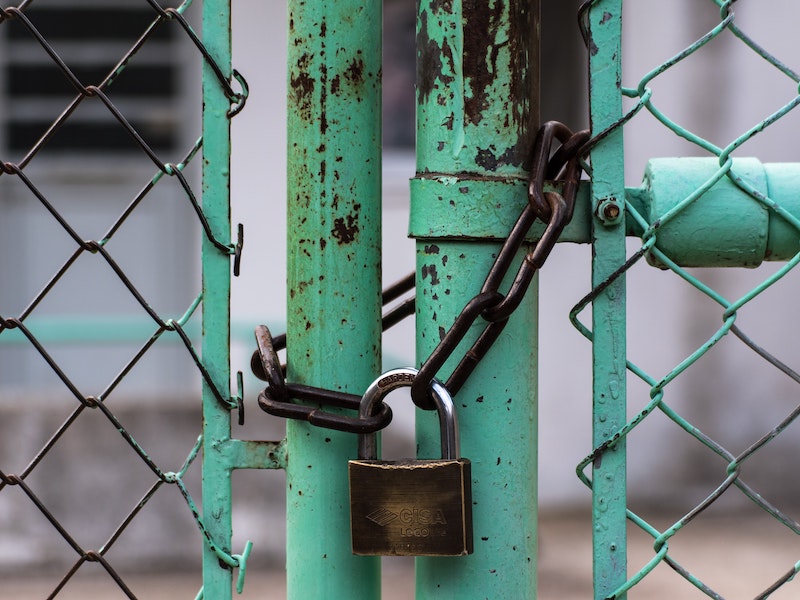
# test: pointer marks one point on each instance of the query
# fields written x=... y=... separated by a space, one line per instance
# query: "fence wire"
x=732 y=468
x=30 y=26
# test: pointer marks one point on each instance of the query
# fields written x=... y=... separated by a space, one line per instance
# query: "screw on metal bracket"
x=609 y=212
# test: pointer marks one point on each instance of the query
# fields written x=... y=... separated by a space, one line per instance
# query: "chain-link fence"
x=107 y=105
x=100 y=305
x=736 y=423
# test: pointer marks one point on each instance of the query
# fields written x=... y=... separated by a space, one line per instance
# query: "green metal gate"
x=477 y=118
x=689 y=212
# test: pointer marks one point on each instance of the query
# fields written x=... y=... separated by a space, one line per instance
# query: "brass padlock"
x=410 y=507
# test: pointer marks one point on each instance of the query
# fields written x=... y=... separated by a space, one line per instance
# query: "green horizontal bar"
x=476 y=207
x=251 y=454
x=705 y=215
x=111 y=329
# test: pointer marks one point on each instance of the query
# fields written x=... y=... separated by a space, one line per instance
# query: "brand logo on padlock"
x=382 y=516
x=422 y=516
x=411 y=507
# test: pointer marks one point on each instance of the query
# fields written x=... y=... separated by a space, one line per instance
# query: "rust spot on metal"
x=481 y=25
x=430 y=270
x=302 y=90
x=429 y=61
x=486 y=32
x=345 y=229
x=355 y=71
x=486 y=158
x=442 y=6
x=432 y=249
x=323 y=119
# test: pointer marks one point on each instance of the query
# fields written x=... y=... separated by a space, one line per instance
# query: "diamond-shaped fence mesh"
x=704 y=405
x=92 y=98
x=93 y=107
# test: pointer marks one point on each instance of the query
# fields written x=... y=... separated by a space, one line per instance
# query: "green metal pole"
x=334 y=275
x=216 y=494
x=477 y=108
x=608 y=309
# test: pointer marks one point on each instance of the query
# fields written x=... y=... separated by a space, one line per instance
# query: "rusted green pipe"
x=748 y=212
x=477 y=110
x=334 y=275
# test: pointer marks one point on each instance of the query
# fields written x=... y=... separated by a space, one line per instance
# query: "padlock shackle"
x=404 y=377
x=448 y=421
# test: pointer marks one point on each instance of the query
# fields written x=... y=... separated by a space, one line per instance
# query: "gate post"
x=608 y=309
x=334 y=275
x=217 y=495
x=477 y=111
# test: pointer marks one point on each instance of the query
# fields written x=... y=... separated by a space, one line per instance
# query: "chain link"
x=278 y=398
x=549 y=162
x=553 y=209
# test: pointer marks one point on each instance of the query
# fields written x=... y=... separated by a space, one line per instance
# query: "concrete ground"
x=739 y=559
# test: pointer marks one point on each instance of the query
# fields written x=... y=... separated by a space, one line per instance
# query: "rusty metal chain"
x=277 y=398
x=553 y=209
x=549 y=162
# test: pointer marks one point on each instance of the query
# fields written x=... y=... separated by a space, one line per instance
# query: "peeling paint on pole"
x=476 y=115
x=474 y=90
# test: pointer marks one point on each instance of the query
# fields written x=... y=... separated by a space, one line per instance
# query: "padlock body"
x=411 y=507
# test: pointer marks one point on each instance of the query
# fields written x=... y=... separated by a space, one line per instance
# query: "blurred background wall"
x=719 y=93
